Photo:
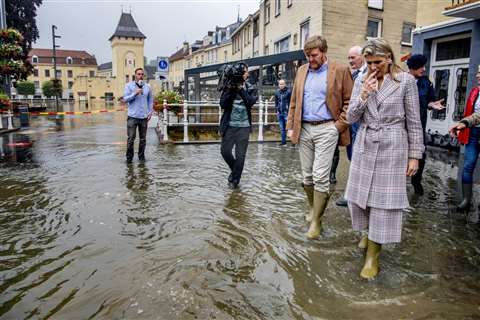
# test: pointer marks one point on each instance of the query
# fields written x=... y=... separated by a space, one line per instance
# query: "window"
x=282 y=45
x=34 y=59
x=453 y=49
x=266 y=50
x=35 y=72
x=375 y=4
x=37 y=84
x=225 y=55
x=407 y=34
x=91 y=73
x=70 y=73
x=289 y=3
x=69 y=60
x=59 y=73
x=126 y=78
x=70 y=84
x=304 y=32
x=374 y=28
x=267 y=12
x=277 y=8
x=47 y=73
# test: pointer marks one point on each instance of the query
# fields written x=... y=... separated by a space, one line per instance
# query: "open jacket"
x=339 y=88
x=226 y=103
x=390 y=134
x=464 y=135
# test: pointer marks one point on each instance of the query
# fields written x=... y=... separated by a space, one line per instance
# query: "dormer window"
x=34 y=59
x=69 y=60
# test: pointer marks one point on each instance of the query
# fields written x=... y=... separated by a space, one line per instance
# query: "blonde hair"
x=381 y=47
x=315 y=42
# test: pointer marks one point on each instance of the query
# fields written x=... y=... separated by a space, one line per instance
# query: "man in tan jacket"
x=317 y=121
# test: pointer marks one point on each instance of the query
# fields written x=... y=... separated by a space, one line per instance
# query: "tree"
x=50 y=90
x=26 y=88
x=21 y=15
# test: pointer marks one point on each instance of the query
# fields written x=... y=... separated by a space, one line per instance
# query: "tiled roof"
x=177 y=55
x=127 y=27
x=79 y=57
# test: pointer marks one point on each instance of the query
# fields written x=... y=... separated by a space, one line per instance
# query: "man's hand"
x=437 y=105
x=290 y=133
x=138 y=91
x=412 y=167
x=456 y=128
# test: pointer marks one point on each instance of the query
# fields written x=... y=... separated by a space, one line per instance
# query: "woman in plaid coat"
x=389 y=143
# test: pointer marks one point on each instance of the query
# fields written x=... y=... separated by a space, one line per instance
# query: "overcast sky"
x=87 y=24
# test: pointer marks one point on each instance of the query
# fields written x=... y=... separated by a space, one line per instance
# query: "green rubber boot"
x=309 y=191
x=320 y=201
x=372 y=264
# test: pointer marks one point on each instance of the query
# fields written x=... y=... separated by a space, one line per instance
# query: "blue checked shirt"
x=315 y=95
x=138 y=106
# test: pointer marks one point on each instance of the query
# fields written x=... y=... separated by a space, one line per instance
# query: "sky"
x=88 y=24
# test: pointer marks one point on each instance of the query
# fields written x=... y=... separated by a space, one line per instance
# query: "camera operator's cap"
x=416 y=61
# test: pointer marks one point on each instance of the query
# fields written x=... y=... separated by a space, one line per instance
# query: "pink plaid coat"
x=390 y=133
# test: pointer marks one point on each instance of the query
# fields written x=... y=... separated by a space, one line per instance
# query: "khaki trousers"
x=317 y=146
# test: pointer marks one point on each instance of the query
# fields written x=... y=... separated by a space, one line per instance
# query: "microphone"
x=140 y=84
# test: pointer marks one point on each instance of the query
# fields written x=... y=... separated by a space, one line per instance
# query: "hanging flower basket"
x=11 y=66
x=5 y=103
x=10 y=36
x=173 y=99
x=10 y=50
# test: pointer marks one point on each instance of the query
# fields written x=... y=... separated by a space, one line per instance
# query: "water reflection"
x=85 y=236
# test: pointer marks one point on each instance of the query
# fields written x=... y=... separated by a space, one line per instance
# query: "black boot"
x=333 y=170
x=467 y=197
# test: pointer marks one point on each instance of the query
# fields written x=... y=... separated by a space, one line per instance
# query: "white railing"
x=192 y=115
x=9 y=116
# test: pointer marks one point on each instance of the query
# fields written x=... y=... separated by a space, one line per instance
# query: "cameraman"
x=236 y=101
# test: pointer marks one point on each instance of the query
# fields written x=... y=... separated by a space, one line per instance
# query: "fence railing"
x=9 y=116
x=209 y=113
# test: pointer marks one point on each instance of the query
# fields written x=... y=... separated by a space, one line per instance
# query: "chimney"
x=185 y=46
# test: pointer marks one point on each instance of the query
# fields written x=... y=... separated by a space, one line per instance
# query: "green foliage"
x=172 y=98
x=21 y=15
x=50 y=89
x=4 y=102
x=26 y=88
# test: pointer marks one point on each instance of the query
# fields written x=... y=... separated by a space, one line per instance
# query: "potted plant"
x=173 y=100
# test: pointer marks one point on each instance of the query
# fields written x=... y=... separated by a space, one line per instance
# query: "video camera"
x=231 y=76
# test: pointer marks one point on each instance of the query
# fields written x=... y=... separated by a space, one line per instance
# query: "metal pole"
x=165 y=121
x=260 y=121
x=3 y=15
x=55 y=64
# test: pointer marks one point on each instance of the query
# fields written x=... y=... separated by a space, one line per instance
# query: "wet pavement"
x=85 y=236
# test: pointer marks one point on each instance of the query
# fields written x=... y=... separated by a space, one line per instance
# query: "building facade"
x=451 y=42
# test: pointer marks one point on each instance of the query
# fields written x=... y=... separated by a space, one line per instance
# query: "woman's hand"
x=369 y=85
x=412 y=167
x=456 y=127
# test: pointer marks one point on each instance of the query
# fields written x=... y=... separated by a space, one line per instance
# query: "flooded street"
x=85 y=236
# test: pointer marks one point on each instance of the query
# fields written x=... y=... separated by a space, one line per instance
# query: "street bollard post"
x=260 y=121
x=185 y=121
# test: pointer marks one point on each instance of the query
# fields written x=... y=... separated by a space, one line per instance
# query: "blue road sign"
x=162 y=65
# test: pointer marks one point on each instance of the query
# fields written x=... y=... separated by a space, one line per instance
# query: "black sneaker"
x=342 y=202
x=129 y=161
x=230 y=178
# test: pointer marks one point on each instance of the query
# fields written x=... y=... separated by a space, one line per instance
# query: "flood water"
x=85 y=236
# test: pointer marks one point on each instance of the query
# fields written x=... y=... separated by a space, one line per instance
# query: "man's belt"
x=316 y=123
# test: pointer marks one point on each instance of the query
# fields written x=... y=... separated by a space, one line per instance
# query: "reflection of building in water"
x=82 y=79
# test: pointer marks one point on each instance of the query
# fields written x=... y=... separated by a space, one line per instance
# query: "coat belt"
x=377 y=128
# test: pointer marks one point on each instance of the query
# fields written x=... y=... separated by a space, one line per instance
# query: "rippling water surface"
x=84 y=236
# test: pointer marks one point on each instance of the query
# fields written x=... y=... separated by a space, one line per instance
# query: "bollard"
x=260 y=121
x=266 y=111
x=185 y=121
x=10 y=124
x=219 y=115
x=165 y=121
x=1 y=120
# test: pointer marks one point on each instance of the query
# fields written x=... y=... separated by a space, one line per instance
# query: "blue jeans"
x=282 y=122
x=353 y=134
x=472 y=149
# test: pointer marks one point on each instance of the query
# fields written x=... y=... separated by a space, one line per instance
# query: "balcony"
x=469 y=9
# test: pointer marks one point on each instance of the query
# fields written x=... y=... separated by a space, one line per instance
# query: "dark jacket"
x=226 y=102
x=282 y=100
x=426 y=94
